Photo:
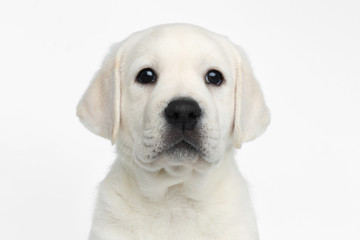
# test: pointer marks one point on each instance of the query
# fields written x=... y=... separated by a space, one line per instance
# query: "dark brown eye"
x=146 y=75
x=214 y=77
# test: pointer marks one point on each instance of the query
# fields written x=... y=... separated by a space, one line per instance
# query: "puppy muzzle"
x=182 y=116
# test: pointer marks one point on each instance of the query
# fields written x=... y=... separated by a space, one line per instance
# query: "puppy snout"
x=183 y=113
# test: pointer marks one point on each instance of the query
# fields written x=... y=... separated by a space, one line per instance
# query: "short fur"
x=150 y=194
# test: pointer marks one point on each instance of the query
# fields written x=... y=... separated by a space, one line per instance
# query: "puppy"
x=176 y=99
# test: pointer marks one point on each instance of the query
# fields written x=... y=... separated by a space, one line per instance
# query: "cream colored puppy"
x=176 y=99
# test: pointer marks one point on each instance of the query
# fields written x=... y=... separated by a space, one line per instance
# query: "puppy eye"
x=146 y=75
x=214 y=77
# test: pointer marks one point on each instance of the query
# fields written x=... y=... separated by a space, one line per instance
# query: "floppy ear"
x=99 y=108
x=251 y=114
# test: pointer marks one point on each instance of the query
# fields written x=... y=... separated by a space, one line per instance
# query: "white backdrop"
x=303 y=172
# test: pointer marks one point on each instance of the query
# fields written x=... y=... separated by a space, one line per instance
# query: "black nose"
x=183 y=113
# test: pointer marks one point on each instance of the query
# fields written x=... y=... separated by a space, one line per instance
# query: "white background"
x=304 y=171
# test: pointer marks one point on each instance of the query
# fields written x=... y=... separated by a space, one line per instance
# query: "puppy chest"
x=179 y=224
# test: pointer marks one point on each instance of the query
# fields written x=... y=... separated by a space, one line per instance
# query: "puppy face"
x=175 y=92
x=177 y=119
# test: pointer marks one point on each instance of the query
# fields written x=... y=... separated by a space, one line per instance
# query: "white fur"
x=148 y=194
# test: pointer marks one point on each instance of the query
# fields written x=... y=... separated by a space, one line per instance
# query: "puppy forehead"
x=171 y=44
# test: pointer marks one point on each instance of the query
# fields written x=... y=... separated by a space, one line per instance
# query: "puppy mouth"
x=182 y=146
x=174 y=145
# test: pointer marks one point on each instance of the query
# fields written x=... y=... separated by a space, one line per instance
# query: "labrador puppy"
x=176 y=100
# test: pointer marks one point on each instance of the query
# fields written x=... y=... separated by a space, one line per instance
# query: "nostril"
x=171 y=113
x=194 y=115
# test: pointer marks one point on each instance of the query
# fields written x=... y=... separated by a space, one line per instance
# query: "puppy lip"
x=174 y=135
x=175 y=141
x=183 y=144
x=182 y=140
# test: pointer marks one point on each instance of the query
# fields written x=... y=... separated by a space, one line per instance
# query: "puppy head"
x=178 y=96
